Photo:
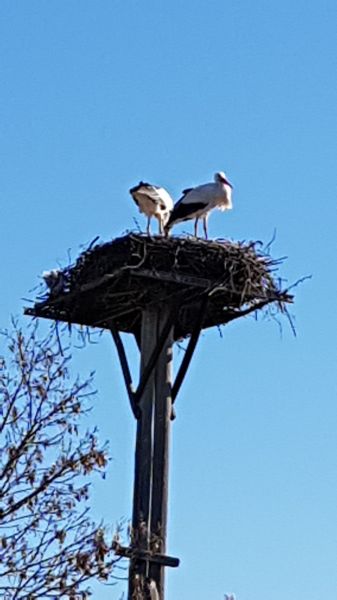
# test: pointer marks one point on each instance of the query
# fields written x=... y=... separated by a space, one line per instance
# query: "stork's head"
x=51 y=277
x=220 y=177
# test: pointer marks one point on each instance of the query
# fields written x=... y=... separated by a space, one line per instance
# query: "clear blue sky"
x=94 y=97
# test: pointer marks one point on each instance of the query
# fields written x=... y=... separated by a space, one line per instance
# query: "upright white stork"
x=197 y=202
x=153 y=201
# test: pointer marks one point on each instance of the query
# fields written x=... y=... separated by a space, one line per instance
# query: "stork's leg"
x=196 y=227
x=148 y=226
x=204 y=220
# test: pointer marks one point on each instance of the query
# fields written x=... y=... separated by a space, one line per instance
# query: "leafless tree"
x=49 y=547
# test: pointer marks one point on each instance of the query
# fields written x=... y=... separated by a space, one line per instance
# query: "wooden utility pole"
x=149 y=522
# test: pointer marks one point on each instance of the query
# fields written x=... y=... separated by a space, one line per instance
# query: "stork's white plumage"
x=153 y=201
x=197 y=202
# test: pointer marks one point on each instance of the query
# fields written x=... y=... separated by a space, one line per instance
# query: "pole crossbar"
x=150 y=557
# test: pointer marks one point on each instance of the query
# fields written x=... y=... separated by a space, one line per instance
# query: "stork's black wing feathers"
x=183 y=212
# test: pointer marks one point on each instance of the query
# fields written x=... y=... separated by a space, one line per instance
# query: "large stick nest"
x=112 y=283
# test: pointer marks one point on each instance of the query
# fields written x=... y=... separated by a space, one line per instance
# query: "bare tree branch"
x=49 y=547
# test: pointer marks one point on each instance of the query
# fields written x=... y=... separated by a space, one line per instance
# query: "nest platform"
x=110 y=284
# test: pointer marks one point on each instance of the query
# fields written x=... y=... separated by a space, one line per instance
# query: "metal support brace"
x=125 y=369
x=190 y=349
x=136 y=395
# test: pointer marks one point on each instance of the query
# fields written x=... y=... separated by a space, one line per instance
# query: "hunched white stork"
x=55 y=281
x=197 y=202
x=153 y=201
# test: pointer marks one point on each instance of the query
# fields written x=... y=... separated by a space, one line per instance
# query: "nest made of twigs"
x=114 y=282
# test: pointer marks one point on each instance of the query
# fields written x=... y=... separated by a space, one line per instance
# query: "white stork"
x=153 y=201
x=197 y=202
x=54 y=280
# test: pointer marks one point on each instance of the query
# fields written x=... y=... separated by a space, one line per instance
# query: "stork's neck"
x=225 y=186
